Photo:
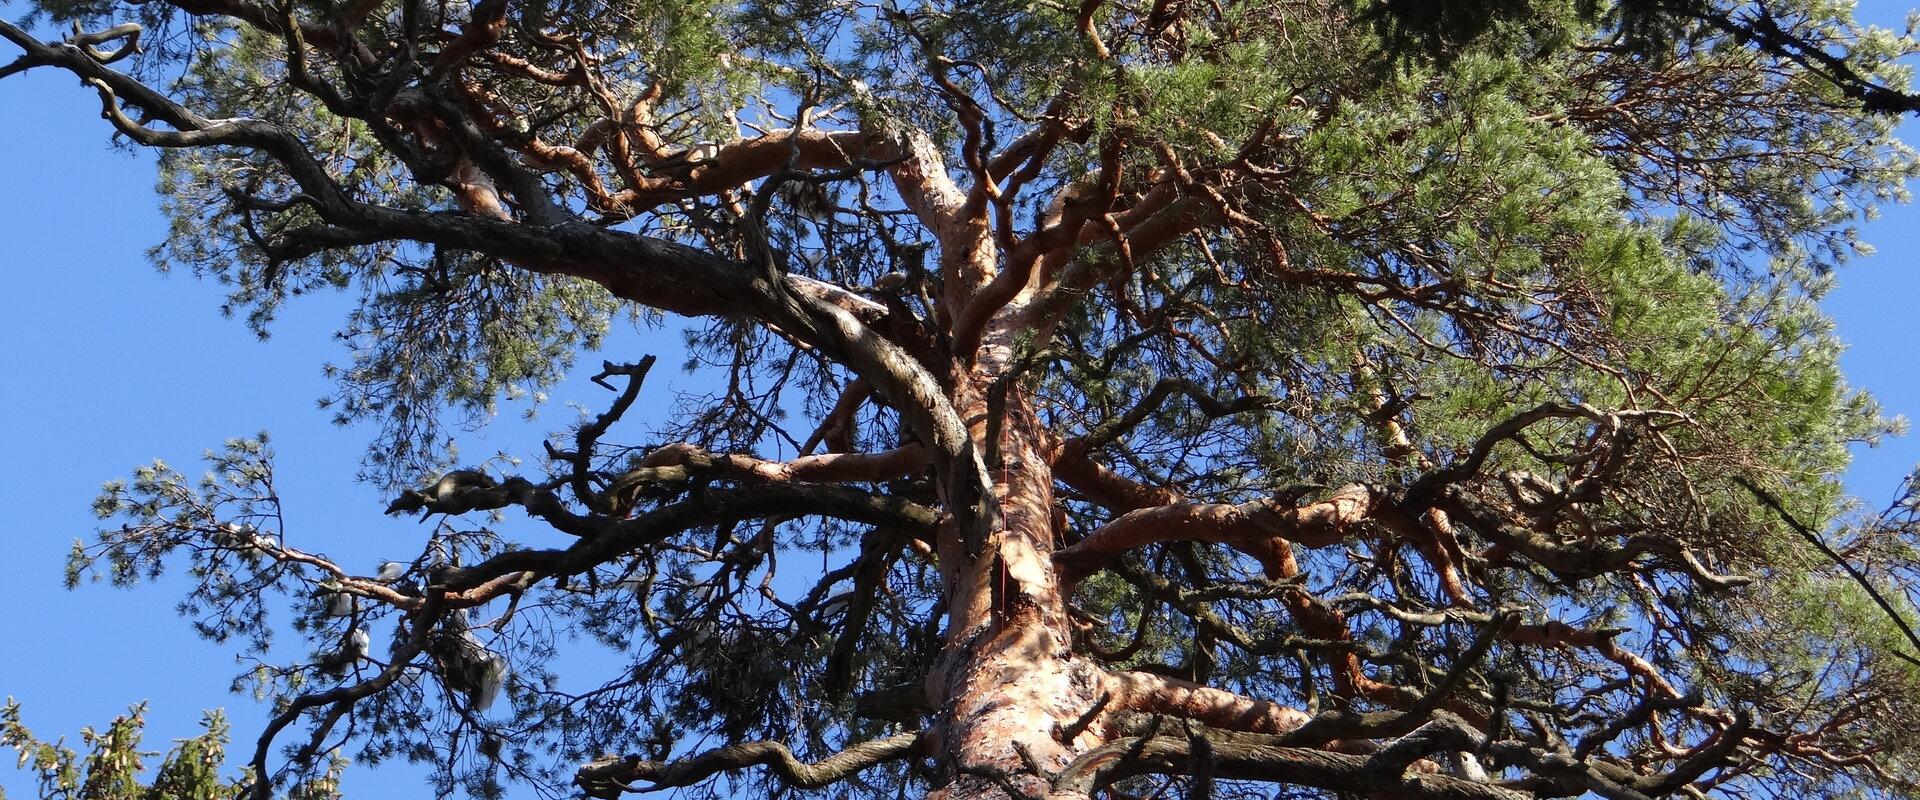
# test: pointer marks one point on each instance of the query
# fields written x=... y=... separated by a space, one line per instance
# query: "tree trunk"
x=1008 y=683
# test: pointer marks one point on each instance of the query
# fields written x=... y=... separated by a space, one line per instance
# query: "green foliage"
x=113 y=767
x=226 y=524
x=459 y=334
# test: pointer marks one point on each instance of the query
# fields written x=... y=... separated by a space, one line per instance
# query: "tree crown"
x=1416 y=398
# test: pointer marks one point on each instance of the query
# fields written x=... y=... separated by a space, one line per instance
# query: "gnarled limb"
x=128 y=34
x=1316 y=524
x=713 y=507
x=1246 y=758
x=609 y=777
x=1074 y=465
x=1157 y=694
x=679 y=462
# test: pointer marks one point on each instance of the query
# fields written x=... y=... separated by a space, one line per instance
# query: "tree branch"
x=1218 y=708
x=472 y=585
x=1315 y=524
x=1241 y=758
x=608 y=778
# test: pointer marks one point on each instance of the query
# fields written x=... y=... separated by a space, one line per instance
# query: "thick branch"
x=1315 y=524
x=609 y=777
x=1158 y=694
x=678 y=462
x=1241 y=759
x=711 y=507
x=1076 y=467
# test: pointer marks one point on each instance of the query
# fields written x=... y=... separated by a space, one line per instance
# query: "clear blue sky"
x=108 y=364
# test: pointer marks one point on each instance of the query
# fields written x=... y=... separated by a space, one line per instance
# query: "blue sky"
x=111 y=365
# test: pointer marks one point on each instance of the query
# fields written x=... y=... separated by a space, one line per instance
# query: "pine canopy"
x=1122 y=398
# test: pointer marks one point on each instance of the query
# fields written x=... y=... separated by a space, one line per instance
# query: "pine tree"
x=114 y=763
x=1122 y=399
